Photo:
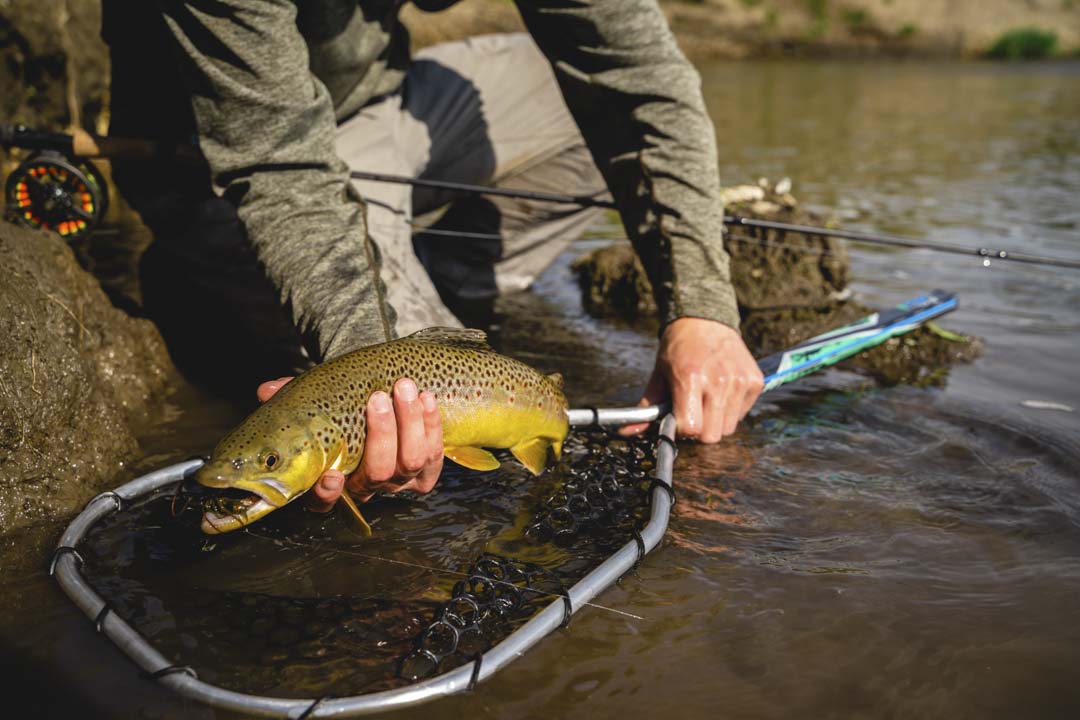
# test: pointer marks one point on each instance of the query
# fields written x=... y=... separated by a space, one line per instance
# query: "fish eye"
x=271 y=460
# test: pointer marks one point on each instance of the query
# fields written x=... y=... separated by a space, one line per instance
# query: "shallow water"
x=852 y=552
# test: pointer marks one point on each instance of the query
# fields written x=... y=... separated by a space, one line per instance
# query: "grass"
x=907 y=30
x=855 y=18
x=1024 y=44
x=819 y=14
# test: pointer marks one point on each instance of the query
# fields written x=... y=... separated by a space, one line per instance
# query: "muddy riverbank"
x=749 y=29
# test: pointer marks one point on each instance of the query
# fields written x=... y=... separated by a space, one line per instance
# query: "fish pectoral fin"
x=473 y=458
x=358 y=523
x=532 y=454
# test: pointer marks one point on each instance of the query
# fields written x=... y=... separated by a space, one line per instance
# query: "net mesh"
x=601 y=497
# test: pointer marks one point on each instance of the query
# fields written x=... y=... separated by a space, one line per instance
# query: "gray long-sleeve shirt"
x=267 y=85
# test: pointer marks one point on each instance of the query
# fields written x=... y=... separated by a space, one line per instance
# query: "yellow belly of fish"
x=525 y=432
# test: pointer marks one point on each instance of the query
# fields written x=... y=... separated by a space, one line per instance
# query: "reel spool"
x=52 y=191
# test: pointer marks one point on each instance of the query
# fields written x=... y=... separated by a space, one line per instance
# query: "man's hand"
x=703 y=366
x=403 y=449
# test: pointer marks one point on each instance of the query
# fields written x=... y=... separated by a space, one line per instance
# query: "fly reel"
x=52 y=191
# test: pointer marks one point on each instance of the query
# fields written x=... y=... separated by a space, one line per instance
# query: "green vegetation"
x=751 y=3
x=907 y=30
x=819 y=13
x=855 y=18
x=1024 y=44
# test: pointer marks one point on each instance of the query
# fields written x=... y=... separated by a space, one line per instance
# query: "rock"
x=776 y=269
x=78 y=379
x=764 y=207
x=613 y=283
x=789 y=286
x=53 y=63
x=741 y=194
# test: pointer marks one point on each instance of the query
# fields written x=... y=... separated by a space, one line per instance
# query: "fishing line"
x=599 y=201
x=418 y=566
x=987 y=255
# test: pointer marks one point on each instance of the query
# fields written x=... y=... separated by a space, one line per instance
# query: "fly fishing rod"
x=58 y=188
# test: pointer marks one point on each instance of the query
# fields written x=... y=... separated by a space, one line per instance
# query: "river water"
x=853 y=551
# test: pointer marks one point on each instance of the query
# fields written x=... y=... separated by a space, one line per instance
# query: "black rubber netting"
x=601 y=497
x=296 y=606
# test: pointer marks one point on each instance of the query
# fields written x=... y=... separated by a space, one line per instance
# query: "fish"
x=317 y=421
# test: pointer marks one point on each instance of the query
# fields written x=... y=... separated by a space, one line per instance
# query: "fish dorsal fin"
x=557 y=378
x=457 y=337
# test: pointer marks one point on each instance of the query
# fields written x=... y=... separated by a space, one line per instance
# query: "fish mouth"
x=233 y=508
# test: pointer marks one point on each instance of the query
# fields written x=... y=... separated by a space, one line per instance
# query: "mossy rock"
x=78 y=380
x=789 y=286
x=613 y=283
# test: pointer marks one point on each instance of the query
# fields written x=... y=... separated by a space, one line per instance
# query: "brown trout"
x=317 y=421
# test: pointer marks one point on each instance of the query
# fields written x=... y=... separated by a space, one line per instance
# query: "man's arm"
x=266 y=127
x=638 y=103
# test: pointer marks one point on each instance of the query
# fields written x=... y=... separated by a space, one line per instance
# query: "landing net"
x=612 y=494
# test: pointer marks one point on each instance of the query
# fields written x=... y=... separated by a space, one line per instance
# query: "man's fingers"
x=719 y=418
x=381 y=445
x=428 y=453
x=412 y=449
x=266 y=391
x=656 y=392
x=432 y=426
x=425 y=480
x=326 y=491
x=755 y=384
x=732 y=407
x=686 y=399
x=433 y=430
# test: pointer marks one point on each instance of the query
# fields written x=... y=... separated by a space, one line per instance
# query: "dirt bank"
x=737 y=29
